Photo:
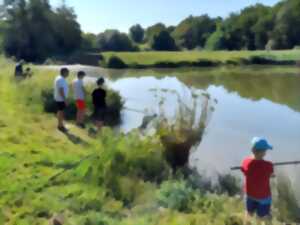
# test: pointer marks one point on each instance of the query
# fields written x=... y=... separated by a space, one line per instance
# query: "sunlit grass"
x=153 y=57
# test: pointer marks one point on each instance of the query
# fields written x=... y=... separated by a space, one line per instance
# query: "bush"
x=176 y=195
x=115 y=62
x=260 y=60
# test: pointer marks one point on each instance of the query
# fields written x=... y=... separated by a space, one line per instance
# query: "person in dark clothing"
x=99 y=102
x=19 y=69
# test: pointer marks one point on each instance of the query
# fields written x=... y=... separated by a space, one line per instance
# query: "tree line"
x=33 y=30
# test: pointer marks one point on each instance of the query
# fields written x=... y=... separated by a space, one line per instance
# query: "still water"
x=262 y=102
x=252 y=101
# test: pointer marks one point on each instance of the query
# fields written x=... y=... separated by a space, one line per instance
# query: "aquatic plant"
x=186 y=130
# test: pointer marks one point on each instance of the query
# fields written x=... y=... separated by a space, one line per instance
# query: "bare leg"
x=82 y=116
x=60 y=118
x=266 y=220
x=248 y=218
x=99 y=125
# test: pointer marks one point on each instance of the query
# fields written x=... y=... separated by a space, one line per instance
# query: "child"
x=99 y=102
x=61 y=91
x=79 y=95
x=257 y=173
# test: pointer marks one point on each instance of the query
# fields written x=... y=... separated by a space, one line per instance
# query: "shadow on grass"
x=74 y=139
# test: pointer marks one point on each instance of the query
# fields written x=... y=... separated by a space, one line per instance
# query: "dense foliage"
x=113 y=40
x=163 y=42
x=36 y=31
x=137 y=33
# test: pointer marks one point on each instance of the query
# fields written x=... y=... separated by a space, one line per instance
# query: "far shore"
x=155 y=59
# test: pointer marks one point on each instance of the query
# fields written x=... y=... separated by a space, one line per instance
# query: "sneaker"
x=62 y=129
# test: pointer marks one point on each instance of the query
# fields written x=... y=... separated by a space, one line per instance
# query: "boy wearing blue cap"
x=257 y=174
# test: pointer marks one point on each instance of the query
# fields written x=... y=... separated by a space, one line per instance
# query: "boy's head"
x=64 y=72
x=100 y=81
x=80 y=74
x=260 y=146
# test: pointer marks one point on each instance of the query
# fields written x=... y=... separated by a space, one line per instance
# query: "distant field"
x=153 y=57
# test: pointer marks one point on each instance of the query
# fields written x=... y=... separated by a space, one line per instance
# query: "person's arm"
x=272 y=171
x=62 y=94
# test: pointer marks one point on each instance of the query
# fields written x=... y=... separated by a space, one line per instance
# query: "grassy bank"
x=202 y=58
x=119 y=179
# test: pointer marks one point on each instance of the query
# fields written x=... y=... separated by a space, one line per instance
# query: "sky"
x=98 y=15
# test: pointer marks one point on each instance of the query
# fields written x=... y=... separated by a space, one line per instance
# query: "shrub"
x=228 y=184
x=206 y=63
x=176 y=195
x=260 y=60
x=115 y=62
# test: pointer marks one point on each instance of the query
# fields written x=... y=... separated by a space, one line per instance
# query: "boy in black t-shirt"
x=99 y=102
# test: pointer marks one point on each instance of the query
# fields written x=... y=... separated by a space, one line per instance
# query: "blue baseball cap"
x=261 y=144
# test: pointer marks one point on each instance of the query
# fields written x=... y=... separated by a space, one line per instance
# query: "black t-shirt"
x=19 y=69
x=99 y=96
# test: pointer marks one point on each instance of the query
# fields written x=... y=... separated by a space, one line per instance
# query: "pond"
x=252 y=101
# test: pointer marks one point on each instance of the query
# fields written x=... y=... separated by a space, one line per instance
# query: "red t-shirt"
x=257 y=177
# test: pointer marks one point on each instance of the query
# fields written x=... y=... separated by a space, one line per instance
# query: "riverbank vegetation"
x=111 y=179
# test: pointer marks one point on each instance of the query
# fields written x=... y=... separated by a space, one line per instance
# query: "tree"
x=163 y=42
x=250 y=29
x=35 y=31
x=67 y=30
x=113 y=40
x=216 y=40
x=154 y=30
x=18 y=23
x=287 y=29
x=89 y=41
x=137 y=33
x=194 y=31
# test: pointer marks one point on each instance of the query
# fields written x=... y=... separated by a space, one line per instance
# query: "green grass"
x=125 y=181
x=153 y=57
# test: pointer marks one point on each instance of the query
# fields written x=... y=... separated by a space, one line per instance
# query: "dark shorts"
x=60 y=106
x=258 y=208
x=99 y=114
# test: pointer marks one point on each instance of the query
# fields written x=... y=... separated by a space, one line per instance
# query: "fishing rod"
x=275 y=164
